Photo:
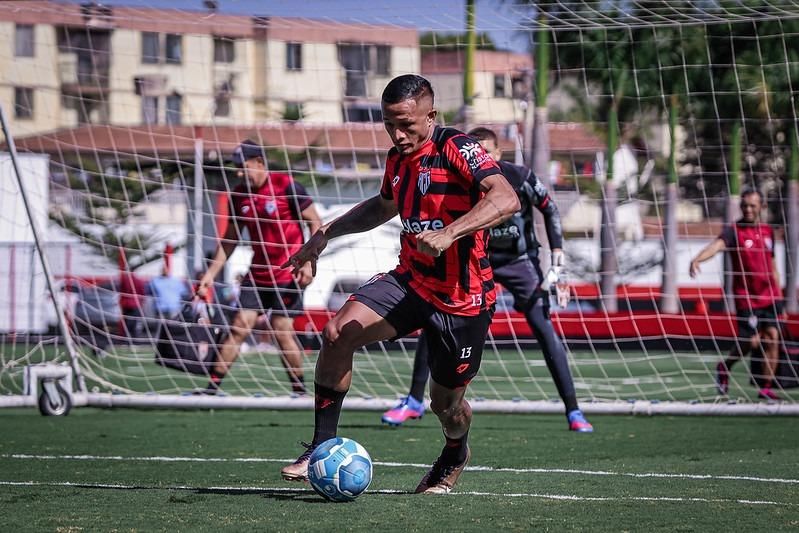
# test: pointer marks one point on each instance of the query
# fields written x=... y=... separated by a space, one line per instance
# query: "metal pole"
x=62 y=324
x=197 y=263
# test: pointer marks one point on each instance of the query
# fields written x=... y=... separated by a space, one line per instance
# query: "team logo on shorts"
x=424 y=180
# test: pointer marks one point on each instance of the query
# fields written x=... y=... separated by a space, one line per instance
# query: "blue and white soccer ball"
x=340 y=469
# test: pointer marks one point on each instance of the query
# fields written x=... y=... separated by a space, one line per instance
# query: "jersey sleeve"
x=728 y=236
x=386 y=190
x=469 y=159
x=299 y=197
x=544 y=203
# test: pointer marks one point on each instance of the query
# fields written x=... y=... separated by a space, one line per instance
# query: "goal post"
x=647 y=121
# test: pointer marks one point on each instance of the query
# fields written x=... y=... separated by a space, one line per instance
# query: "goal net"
x=646 y=120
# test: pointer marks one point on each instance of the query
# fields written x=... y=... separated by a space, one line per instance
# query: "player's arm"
x=498 y=204
x=223 y=250
x=304 y=275
x=544 y=203
x=365 y=216
x=709 y=251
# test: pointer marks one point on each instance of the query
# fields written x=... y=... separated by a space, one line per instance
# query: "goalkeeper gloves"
x=554 y=277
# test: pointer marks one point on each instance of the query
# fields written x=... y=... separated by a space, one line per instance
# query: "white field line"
x=290 y=490
x=24 y=456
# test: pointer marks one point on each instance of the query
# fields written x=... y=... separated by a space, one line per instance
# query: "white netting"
x=124 y=118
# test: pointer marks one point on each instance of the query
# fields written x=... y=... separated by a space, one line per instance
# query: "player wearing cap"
x=272 y=208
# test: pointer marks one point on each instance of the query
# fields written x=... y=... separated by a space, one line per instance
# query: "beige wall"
x=39 y=73
x=195 y=79
x=487 y=108
x=262 y=85
x=319 y=86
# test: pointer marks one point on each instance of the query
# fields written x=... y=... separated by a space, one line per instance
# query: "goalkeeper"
x=513 y=252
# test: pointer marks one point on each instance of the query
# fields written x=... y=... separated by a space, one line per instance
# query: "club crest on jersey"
x=245 y=209
x=424 y=180
x=270 y=208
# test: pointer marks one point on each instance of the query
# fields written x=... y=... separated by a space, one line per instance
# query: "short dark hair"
x=748 y=191
x=484 y=134
x=407 y=87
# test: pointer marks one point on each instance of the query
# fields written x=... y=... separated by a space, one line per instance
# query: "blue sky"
x=494 y=16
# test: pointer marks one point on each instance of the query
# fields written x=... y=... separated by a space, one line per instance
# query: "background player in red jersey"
x=513 y=252
x=447 y=191
x=756 y=288
x=272 y=208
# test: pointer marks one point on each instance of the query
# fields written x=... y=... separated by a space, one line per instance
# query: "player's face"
x=254 y=171
x=409 y=123
x=750 y=207
x=491 y=149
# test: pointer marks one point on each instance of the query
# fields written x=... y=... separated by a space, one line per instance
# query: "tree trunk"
x=732 y=210
x=669 y=299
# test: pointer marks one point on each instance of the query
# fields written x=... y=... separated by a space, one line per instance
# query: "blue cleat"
x=408 y=408
x=578 y=423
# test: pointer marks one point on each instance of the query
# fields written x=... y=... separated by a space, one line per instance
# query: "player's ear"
x=431 y=116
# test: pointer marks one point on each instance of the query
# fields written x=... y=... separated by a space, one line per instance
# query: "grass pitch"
x=128 y=470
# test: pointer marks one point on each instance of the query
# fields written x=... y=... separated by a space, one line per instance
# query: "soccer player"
x=447 y=190
x=272 y=207
x=756 y=290
x=513 y=252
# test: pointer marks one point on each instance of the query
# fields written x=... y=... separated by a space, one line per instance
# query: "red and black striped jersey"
x=272 y=217
x=433 y=187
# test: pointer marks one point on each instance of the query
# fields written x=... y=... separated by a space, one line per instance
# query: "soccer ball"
x=340 y=469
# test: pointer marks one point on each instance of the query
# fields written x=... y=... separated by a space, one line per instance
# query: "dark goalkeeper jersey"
x=433 y=187
x=515 y=237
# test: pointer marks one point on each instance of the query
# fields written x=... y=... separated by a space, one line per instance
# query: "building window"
x=293 y=56
x=383 y=61
x=23 y=102
x=174 y=102
x=362 y=113
x=149 y=110
x=23 y=41
x=224 y=50
x=292 y=111
x=222 y=106
x=173 y=49
x=499 y=86
x=150 y=47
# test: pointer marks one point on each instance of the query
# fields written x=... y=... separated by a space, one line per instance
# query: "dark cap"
x=246 y=150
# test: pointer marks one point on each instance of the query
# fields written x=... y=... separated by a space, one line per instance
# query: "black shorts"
x=522 y=278
x=750 y=321
x=285 y=300
x=455 y=342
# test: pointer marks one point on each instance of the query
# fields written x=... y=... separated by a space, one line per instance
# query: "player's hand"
x=556 y=264
x=433 y=242
x=309 y=253
x=694 y=269
x=204 y=286
x=304 y=276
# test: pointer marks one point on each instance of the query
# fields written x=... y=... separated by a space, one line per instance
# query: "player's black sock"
x=327 y=409
x=214 y=381
x=571 y=403
x=421 y=370
x=298 y=384
x=455 y=450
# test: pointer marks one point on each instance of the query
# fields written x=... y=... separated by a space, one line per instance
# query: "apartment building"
x=500 y=82
x=63 y=65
